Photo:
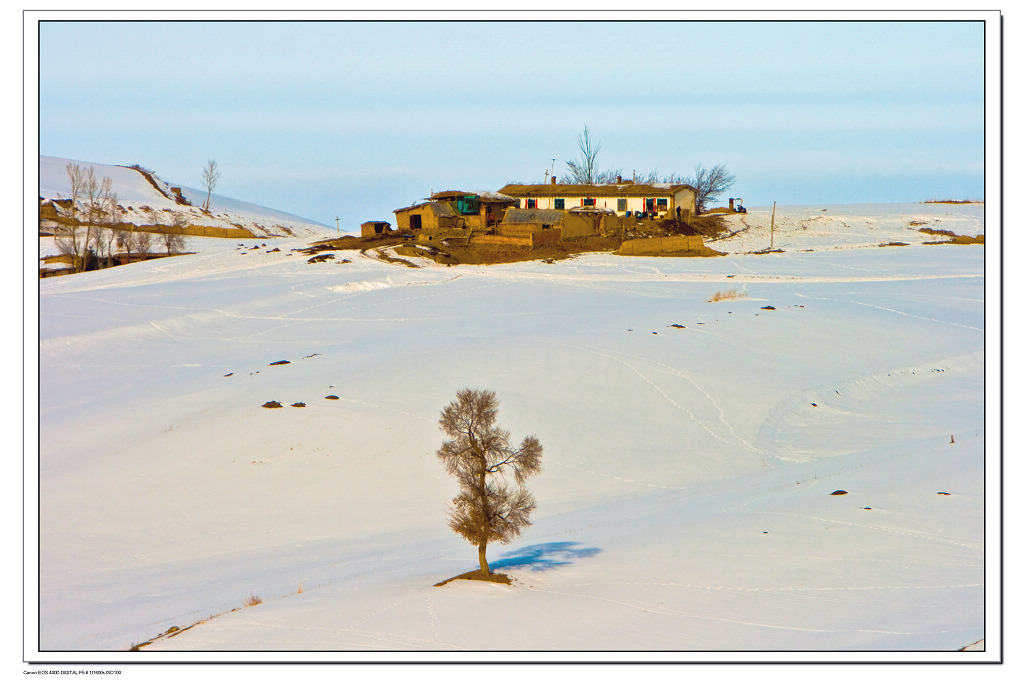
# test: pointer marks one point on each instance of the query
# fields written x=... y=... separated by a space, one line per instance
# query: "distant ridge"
x=147 y=200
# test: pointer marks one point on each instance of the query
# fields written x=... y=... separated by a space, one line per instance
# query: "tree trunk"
x=485 y=569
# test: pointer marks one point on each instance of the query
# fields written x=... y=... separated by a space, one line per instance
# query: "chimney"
x=554 y=180
x=732 y=200
x=618 y=180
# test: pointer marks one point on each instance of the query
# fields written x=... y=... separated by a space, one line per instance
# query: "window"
x=588 y=201
x=622 y=204
x=662 y=204
x=560 y=203
x=531 y=203
x=468 y=205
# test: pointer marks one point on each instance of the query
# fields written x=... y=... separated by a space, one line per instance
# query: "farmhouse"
x=454 y=211
x=624 y=198
x=533 y=215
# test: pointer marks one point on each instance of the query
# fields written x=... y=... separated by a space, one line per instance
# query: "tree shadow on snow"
x=544 y=556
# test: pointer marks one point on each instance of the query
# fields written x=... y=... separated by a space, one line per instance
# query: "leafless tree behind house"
x=709 y=183
x=492 y=505
x=584 y=170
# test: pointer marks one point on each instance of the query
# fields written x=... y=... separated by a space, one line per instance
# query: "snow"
x=847 y=227
x=685 y=507
x=143 y=204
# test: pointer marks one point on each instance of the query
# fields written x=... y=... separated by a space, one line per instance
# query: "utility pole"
x=773 y=228
x=552 y=168
x=338 y=223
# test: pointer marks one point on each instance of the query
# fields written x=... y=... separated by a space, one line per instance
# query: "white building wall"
x=683 y=198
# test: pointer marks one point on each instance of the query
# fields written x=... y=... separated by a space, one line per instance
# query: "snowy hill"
x=153 y=203
x=847 y=227
x=695 y=451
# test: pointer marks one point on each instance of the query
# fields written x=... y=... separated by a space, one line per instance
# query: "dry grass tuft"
x=253 y=600
x=727 y=295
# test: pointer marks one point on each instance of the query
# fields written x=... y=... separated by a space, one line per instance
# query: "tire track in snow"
x=920 y=535
x=891 y=310
x=612 y=476
x=739 y=441
x=774 y=589
x=741 y=622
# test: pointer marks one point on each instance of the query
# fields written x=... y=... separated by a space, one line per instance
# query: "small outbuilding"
x=375 y=229
x=454 y=210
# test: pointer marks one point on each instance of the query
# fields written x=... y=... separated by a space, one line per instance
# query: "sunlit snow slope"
x=691 y=453
x=152 y=203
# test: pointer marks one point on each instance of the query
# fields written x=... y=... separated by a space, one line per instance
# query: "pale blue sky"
x=356 y=119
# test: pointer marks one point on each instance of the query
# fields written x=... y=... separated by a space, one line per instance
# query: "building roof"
x=566 y=190
x=483 y=196
x=589 y=209
x=542 y=216
x=440 y=209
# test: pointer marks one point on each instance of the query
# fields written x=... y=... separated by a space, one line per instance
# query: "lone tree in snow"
x=210 y=177
x=489 y=508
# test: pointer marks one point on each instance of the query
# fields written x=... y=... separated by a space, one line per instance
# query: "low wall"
x=524 y=239
x=653 y=246
x=198 y=230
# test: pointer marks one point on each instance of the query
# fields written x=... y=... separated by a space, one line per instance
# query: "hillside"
x=697 y=417
x=147 y=200
x=825 y=228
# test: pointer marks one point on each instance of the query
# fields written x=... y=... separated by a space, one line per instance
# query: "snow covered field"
x=691 y=450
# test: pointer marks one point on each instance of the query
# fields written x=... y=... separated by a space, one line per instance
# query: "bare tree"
x=584 y=170
x=709 y=183
x=125 y=238
x=143 y=242
x=96 y=195
x=105 y=238
x=608 y=177
x=479 y=455
x=210 y=177
x=172 y=238
x=67 y=233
